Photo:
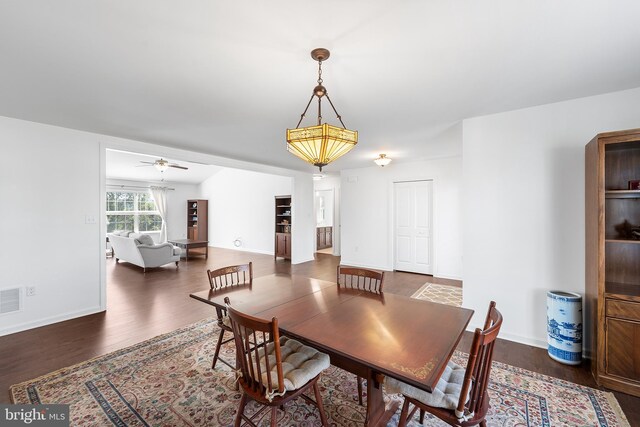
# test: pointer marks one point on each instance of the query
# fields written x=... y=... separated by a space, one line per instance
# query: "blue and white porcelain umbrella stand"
x=564 y=327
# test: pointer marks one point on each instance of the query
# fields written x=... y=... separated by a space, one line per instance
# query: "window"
x=128 y=210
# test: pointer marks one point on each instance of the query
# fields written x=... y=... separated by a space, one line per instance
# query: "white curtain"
x=159 y=195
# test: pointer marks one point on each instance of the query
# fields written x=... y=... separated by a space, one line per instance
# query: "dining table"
x=372 y=335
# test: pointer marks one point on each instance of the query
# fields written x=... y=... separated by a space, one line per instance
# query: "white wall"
x=176 y=204
x=367 y=206
x=241 y=205
x=54 y=180
x=332 y=182
x=47 y=187
x=324 y=208
x=303 y=243
x=523 y=219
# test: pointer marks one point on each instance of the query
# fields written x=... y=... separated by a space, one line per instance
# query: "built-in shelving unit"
x=612 y=165
x=198 y=219
x=622 y=194
x=284 y=224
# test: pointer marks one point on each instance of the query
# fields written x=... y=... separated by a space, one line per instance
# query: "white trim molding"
x=12 y=329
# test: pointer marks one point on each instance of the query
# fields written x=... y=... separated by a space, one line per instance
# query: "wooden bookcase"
x=198 y=219
x=612 y=210
x=283 y=227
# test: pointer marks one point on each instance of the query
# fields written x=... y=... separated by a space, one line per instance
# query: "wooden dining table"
x=370 y=335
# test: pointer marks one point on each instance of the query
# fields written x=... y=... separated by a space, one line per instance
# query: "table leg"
x=206 y=252
x=186 y=256
x=377 y=413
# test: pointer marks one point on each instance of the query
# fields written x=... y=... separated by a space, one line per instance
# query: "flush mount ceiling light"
x=323 y=143
x=382 y=160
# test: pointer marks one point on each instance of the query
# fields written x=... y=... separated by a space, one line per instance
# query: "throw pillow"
x=145 y=239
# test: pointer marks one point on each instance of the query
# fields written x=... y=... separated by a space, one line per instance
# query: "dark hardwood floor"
x=141 y=306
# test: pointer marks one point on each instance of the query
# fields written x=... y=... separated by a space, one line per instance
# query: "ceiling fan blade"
x=148 y=163
x=178 y=167
x=144 y=166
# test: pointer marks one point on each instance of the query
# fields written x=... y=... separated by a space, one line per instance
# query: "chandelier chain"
x=320 y=72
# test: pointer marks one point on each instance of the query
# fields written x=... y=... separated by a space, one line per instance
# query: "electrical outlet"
x=31 y=291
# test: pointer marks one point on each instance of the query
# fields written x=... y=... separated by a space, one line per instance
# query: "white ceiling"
x=125 y=165
x=228 y=77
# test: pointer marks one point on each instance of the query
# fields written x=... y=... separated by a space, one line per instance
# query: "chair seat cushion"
x=226 y=322
x=300 y=363
x=176 y=251
x=445 y=395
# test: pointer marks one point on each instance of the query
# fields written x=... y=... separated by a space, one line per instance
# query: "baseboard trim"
x=530 y=341
x=361 y=265
x=302 y=261
x=446 y=276
x=513 y=337
x=234 y=248
x=49 y=320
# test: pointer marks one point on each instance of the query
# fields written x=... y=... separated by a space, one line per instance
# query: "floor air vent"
x=9 y=300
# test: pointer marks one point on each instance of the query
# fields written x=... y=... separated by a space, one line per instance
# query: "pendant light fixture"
x=323 y=143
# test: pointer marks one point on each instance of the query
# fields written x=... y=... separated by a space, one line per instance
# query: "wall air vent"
x=10 y=300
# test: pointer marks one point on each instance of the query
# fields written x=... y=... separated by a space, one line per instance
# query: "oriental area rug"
x=168 y=381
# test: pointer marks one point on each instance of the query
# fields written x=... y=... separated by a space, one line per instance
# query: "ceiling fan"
x=162 y=165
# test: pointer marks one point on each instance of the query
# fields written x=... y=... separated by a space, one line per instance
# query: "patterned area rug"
x=451 y=295
x=168 y=381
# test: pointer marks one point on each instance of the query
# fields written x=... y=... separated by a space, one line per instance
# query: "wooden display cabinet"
x=283 y=220
x=198 y=219
x=612 y=162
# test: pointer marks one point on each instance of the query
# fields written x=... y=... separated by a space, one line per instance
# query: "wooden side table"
x=188 y=244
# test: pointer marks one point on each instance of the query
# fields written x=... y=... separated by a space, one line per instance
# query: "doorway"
x=324 y=213
x=413 y=226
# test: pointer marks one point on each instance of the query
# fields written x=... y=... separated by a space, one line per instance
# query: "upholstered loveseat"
x=140 y=250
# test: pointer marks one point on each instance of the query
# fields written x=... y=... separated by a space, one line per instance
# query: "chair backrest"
x=255 y=339
x=476 y=377
x=360 y=278
x=232 y=275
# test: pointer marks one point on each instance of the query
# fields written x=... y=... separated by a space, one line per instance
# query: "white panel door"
x=412 y=230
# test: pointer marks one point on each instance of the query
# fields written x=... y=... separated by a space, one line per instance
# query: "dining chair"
x=261 y=354
x=460 y=397
x=362 y=279
x=221 y=278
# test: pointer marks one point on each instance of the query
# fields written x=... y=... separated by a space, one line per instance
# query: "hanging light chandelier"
x=323 y=143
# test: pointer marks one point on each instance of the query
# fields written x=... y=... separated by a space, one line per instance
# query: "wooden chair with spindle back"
x=260 y=352
x=461 y=397
x=360 y=278
x=364 y=280
x=221 y=278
